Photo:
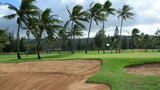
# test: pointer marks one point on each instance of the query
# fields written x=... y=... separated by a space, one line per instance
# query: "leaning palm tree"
x=94 y=13
x=76 y=17
x=135 y=38
x=27 y=7
x=44 y=24
x=125 y=14
x=107 y=10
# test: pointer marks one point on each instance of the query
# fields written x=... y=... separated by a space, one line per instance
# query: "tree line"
x=44 y=25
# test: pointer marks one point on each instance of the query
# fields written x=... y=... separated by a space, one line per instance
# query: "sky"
x=146 y=19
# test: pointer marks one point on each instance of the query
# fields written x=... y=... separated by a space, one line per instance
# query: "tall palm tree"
x=107 y=10
x=45 y=23
x=125 y=14
x=76 y=17
x=135 y=38
x=27 y=7
x=94 y=13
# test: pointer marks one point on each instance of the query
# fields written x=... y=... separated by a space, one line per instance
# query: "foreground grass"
x=112 y=69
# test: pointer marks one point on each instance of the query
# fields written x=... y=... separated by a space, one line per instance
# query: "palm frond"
x=68 y=10
x=10 y=16
x=80 y=24
x=96 y=21
x=12 y=7
x=66 y=24
x=77 y=10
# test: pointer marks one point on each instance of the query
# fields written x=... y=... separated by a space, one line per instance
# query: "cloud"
x=146 y=17
x=75 y=1
x=5 y=11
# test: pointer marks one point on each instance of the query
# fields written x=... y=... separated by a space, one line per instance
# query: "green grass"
x=112 y=69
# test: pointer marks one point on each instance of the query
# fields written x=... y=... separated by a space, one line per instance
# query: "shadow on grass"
x=43 y=58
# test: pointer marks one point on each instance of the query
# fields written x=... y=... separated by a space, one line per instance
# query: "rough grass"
x=112 y=69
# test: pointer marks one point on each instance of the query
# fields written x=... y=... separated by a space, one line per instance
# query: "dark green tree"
x=28 y=36
x=22 y=44
x=4 y=39
x=135 y=38
x=91 y=45
x=12 y=46
x=76 y=31
x=98 y=39
x=124 y=43
x=79 y=45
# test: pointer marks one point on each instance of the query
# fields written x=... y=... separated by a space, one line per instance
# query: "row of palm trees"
x=30 y=17
x=136 y=40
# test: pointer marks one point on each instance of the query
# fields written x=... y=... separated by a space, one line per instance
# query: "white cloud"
x=101 y=1
x=146 y=19
x=5 y=11
x=75 y=1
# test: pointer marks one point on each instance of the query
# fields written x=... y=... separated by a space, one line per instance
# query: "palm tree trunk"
x=72 y=40
x=18 y=54
x=120 y=36
x=27 y=47
x=39 y=45
x=38 y=48
x=88 y=35
x=103 y=39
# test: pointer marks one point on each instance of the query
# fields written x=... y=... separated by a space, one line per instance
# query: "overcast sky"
x=146 y=19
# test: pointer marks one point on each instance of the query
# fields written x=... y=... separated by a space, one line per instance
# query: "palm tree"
x=63 y=35
x=107 y=10
x=27 y=7
x=76 y=31
x=94 y=13
x=145 y=42
x=76 y=16
x=125 y=14
x=98 y=39
x=113 y=41
x=135 y=38
x=45 y=23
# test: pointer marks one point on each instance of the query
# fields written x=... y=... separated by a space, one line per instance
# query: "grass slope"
x=112 y=69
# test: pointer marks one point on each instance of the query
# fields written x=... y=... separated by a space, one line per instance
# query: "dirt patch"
x=50 y=75
x=144 y=69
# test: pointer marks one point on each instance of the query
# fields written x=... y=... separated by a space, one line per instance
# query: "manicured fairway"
x=111 y=72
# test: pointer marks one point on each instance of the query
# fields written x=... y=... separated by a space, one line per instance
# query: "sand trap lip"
x=50 y=75
x=144 y=69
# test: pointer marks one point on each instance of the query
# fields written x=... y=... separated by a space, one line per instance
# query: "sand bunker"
x=144 y=69
x=50 y=75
